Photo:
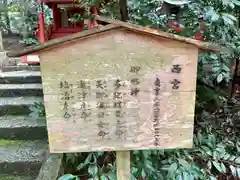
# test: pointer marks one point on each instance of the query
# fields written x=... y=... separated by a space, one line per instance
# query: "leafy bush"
x=37 y=110
x=29 y=41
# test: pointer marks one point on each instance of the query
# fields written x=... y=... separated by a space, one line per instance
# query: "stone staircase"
x=23 y=139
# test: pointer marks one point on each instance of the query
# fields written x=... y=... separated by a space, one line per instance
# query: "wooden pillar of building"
x=41 y=28
x=56 y=17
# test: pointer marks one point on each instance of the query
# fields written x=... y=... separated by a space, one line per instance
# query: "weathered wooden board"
x=119 y=91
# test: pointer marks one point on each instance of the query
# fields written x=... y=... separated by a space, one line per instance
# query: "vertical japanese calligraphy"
x=84 y=88
x=105 y=103
x=135 y=91
x=176 y=68
x=118 y=105
x=156 y=111
x=175 y=83
x=66 y=96
x=102 y=105
x=135 y=81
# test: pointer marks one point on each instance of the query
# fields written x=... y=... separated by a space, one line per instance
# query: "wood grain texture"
x=123 y=165
x=102 y=126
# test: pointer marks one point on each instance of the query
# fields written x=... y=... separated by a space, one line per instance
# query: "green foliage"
x=47 y=15
x=97 y=165
x=209 y=157
x=37 y=110
x=145 y=13
x=69 y=177
x=108 y=8
x=29 y=41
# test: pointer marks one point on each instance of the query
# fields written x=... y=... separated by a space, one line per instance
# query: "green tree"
x=5 y=24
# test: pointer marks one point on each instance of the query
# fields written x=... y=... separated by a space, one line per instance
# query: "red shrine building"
x=62 y=12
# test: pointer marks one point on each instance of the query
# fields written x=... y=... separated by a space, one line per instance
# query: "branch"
x=217 y=90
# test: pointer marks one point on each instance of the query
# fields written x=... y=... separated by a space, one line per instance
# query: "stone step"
x=13 y=90
x=12 y=177
x=23 y=158
x=20 y=77
x=22 y=128
x=20 y=68
x=17 y=105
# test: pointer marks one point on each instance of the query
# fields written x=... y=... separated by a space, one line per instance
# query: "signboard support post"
x=123 y=165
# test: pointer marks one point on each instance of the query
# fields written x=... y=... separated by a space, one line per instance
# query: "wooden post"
x=123 y=165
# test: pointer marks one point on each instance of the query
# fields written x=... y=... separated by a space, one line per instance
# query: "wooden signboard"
x=120 y=87
x=119 y=90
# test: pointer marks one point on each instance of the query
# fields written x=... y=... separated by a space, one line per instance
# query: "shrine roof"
x=116 y=24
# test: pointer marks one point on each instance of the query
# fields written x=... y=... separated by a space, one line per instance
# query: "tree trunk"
x=123 y=10
x=6 y=17
x=24 y=6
